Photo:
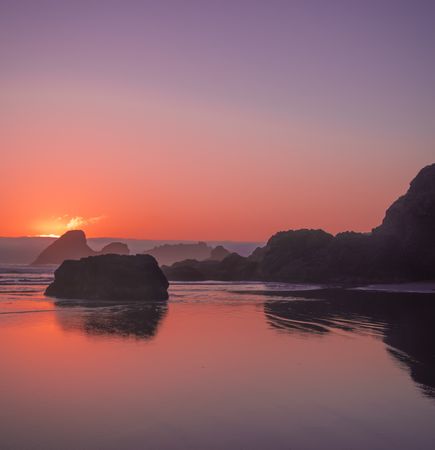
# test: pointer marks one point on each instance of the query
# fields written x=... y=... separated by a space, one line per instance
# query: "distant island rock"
x=168 y=254
x=401 y=249
x=73 y=245
x=110 y=277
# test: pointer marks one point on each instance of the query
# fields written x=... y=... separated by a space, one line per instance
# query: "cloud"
x=79 y=221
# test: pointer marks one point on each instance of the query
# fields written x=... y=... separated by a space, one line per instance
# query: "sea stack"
x=110 y=277
x=71 y=245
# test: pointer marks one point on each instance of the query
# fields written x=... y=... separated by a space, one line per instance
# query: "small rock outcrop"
x=116 y=248
x=71 y=245
x=110 y=277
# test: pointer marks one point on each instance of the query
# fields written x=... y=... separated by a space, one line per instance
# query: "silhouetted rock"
x=409 y=223
x=191 y=270
x=401 y=249
x=110 y=277
x=412 y=216
x=232 y=268
x=117 y=248
x=219 y=253
x=235 y=267
x=295 y=255
x=71 y=245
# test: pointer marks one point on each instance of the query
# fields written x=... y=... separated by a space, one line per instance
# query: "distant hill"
x=402 y=248
x=24 y=250
x=168 y=254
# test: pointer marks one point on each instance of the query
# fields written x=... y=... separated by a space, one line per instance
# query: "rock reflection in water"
x=140 y=321
x=404 y=321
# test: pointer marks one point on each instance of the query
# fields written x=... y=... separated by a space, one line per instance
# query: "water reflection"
x=404 y=321
x=140 y=321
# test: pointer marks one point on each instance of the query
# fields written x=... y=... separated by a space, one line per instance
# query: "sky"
x=211 y=120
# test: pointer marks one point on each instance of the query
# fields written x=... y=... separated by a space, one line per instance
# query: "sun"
x=53 y=227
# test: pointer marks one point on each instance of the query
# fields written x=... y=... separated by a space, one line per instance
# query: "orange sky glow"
x=155 y=124
x=165 y=170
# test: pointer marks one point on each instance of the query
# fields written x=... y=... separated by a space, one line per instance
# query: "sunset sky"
x=211 y=119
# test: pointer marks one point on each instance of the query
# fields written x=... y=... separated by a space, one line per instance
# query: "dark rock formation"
x=73 y=245
x=110 y=277
x=234 y=267
x=219 y=253
x=295 y=255
x=192 y=270
x=115 y=248
x=409 y=224
x=412 y=216
x=402 y=248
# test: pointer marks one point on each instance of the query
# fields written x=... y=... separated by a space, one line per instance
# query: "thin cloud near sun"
x=79 y=221
x=56 y=226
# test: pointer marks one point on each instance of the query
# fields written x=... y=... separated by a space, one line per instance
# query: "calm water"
x=221 y=366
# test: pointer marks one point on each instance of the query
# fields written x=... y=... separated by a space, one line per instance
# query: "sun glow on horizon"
x=56 y=226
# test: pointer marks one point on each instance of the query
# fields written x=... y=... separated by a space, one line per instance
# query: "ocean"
x=220 y=366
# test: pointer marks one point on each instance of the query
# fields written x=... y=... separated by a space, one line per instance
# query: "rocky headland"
x=401 y=249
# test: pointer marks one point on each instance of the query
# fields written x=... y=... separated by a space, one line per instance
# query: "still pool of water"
x=220 y=366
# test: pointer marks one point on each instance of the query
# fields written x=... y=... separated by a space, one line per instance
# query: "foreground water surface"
x=221 y=366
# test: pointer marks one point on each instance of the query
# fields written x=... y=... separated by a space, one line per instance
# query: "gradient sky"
x=211 y=120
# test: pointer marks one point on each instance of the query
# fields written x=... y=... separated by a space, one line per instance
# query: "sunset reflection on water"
x=211 y=369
